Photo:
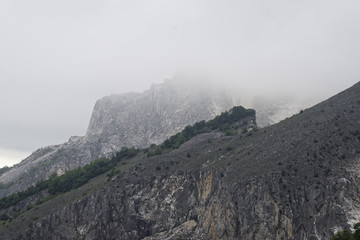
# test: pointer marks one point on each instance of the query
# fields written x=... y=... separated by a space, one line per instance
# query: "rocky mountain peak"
x=129 y=119
x=139 y=120
x=297 y=180
x=135 y=119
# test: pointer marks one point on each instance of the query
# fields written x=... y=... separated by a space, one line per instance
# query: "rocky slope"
x=298 y=179
x=271 y=110
x=136 y=119
x=132 y=119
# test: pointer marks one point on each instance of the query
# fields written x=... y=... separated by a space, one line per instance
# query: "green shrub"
x=343 y=235
x=230 y=132
x=356 y=234
x=70 y=180
x=221 y=122
x=155 y=152
x=347 y=235
x=16 y=214
x=228 y=148
x=4 y=217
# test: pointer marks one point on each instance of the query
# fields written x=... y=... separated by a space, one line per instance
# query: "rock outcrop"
x=271 y=110
x=132 y=119
x=297 y=179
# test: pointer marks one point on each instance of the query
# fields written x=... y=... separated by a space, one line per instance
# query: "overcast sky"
x=58 y=57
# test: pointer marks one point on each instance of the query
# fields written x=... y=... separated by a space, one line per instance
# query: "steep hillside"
x=298 y=179
x=139 y=120
x=271 y=110
x=132 y=119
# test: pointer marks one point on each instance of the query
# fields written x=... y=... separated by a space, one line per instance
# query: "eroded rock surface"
x=298 y=179
x=132 y=119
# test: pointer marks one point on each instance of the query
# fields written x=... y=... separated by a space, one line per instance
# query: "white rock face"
x=271 y=110
x=139 y=120
x=131 y=119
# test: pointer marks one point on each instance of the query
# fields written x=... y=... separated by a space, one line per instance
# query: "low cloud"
x=9 y=157
x=58 y=57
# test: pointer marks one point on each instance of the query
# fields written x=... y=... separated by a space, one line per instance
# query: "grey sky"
x=58 y=57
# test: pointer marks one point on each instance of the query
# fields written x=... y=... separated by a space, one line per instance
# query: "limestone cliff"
x=298 y=179
x=131 y=119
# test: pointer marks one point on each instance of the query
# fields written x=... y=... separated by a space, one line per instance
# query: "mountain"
x=131 y=119
x=272 y=109
x=139 y=120
x=298 y=179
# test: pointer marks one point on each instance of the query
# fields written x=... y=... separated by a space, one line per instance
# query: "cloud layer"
x=58 y=57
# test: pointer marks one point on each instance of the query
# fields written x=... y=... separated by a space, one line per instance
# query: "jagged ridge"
x=294 y=180
x=132 y=119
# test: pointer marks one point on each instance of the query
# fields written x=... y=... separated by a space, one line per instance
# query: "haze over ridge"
x=58 y=58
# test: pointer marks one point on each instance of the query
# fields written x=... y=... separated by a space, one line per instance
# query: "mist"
x=58 y=57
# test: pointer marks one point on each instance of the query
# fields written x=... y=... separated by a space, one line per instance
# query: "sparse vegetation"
x=222 y=122
x=4 y=217
x=155 y=152
x=70 y=180
x=2 y=186
x=230 y=132
x=228 y=148
x=346 y=234
x=4 y=170
x=75 y=178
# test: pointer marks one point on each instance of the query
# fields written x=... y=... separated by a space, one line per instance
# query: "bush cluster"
x=222 y=122
x=347 y=234
x=71 y=179
x=77 y=177
x=155 y=152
